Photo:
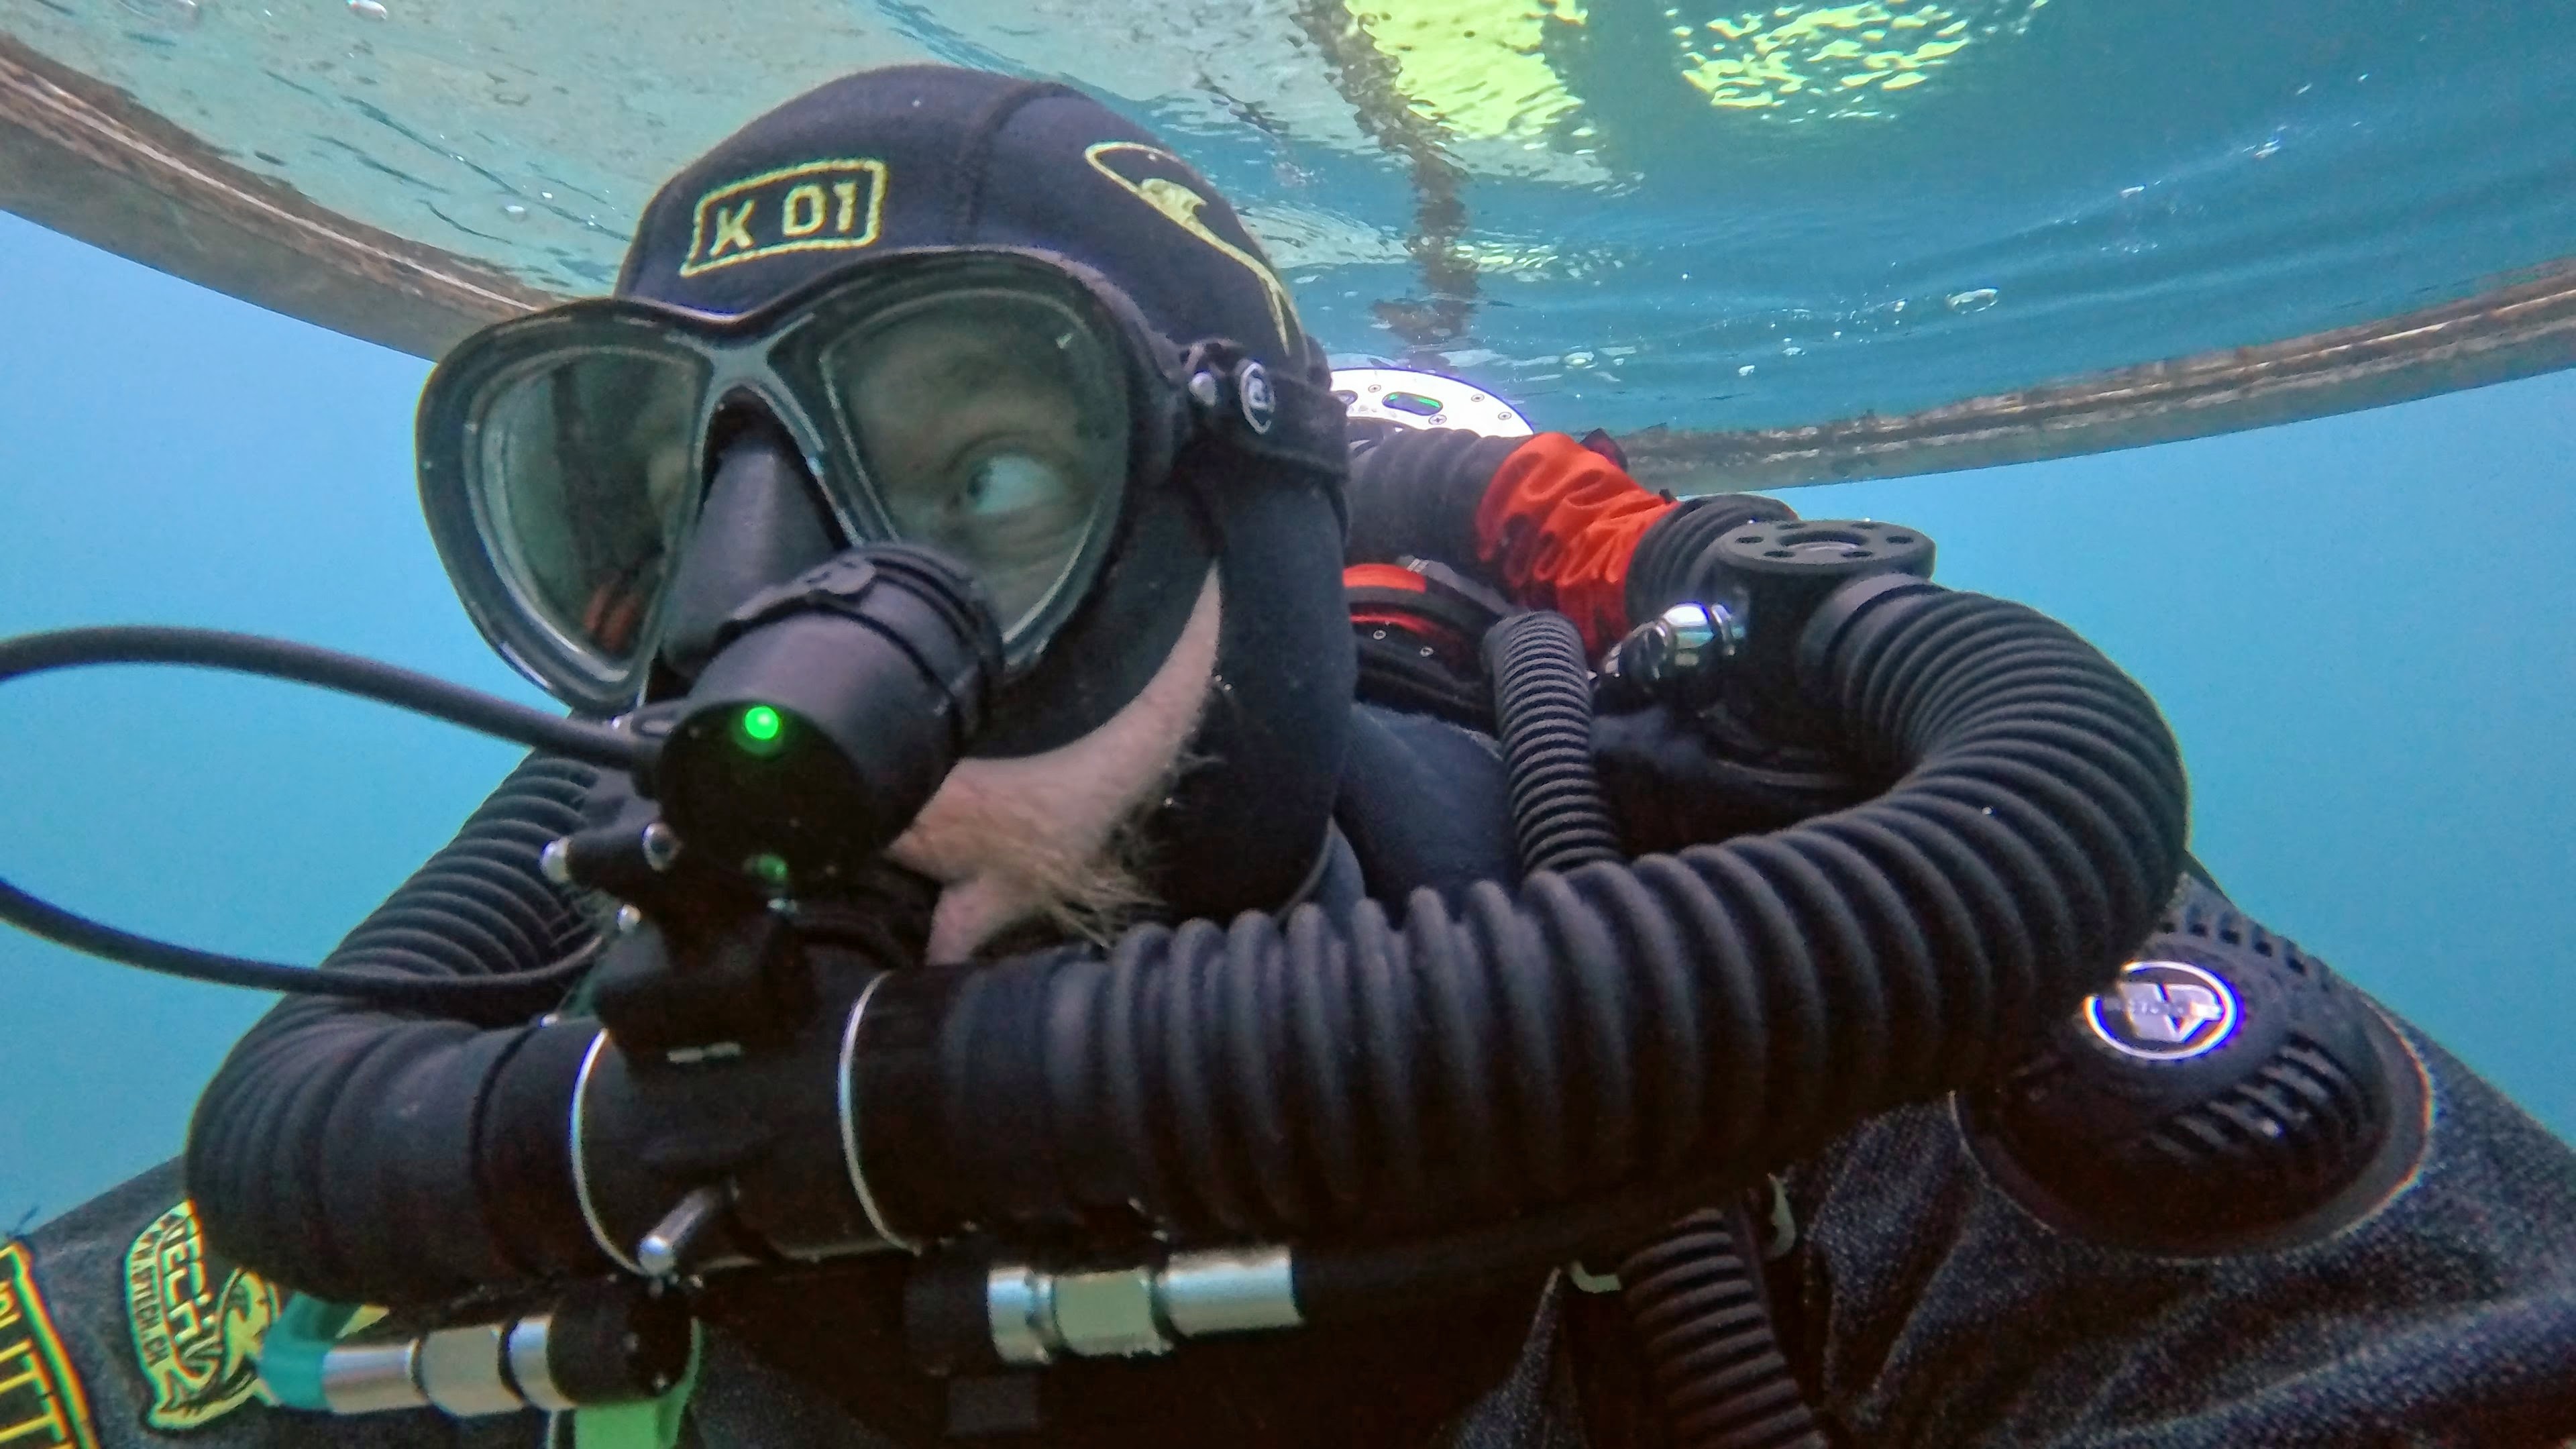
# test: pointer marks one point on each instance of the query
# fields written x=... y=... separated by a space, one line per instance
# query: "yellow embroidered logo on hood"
x=1137 y=168
x=814 y=207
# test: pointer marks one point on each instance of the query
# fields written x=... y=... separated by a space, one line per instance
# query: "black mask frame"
x=1178 y=400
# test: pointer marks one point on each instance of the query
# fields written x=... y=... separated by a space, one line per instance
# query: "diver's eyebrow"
x=983 y=361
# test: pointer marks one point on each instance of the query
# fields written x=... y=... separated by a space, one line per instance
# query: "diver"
x=1083 y=970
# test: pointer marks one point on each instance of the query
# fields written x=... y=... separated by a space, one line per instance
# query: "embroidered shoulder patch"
x=198 y=1321
x=41 y=1403
x=819 y=206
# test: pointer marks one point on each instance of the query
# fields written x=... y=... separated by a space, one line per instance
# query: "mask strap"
x=1264 y=413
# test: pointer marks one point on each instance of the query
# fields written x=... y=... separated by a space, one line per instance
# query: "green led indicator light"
x=769 y=870
x=760 y=730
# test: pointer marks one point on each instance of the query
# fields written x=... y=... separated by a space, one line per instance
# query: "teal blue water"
x=2359 y=628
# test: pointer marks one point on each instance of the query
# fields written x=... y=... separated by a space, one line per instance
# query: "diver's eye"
x=1009 y=483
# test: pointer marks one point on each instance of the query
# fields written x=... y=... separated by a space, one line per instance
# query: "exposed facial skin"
x=988 y=434
x=1050 y=835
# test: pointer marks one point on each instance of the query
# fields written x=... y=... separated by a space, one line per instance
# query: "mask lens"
x=993 y=426
x=586 y=474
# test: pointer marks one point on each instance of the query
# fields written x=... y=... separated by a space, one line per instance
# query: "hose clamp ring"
x=848 y=1087
x=599 y=1233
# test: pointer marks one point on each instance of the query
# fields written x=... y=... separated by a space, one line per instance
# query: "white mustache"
x=1048 y=835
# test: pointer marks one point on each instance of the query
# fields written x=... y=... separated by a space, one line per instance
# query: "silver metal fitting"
x=1037 y=1316
x=468 y=1372
x=555 y=861
x=372 y=1378
x=1228 y=1290
x=1019 y=1309
x=1205 y=389
x=529 y=1369
x=628 y=919
x=1109 y=1315
x=669 y=1246
x=1679 y=655
x=1690 y=638
x=461 y=1372
x=661 y=846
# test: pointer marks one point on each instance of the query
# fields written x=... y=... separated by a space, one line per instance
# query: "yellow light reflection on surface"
x=1826 y=61
x=1475 y=65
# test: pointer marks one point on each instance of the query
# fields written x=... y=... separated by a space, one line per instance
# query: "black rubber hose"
x=1543 y=698
x=1668 y=566
x=1703 y=1323
x=1708 y=1014
x=1694 y=1296
x=309 y=664
x=331 y=669
x=288 y=1152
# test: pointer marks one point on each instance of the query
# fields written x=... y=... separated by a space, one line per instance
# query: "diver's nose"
x=762 y=523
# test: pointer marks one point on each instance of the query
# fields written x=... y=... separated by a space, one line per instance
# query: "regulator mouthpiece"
x=834 y=706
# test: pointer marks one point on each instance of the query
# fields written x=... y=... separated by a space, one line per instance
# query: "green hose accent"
x=290 y=1356
x=651 y=1424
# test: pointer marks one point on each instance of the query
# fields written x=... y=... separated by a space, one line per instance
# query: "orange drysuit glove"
x=1557 y=527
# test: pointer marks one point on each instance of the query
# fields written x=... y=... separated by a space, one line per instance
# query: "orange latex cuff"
x=1557 y=527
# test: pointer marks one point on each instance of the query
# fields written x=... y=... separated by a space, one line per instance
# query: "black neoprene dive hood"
x=924 y=158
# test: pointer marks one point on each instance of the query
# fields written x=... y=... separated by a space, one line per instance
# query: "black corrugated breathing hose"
x=1617 y=1028
x=1693 y=1291
x=1696 y=1299
x=1543 y=704
x=1575 y=1062
x=316 y=1071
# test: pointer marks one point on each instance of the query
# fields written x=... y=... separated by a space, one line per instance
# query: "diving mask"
x=996 y=405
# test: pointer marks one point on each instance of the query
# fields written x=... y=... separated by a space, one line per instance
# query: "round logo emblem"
x=1252 y=386
x=2163 y=1011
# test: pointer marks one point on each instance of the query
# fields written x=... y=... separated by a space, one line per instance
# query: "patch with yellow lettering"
x=820 y=206
x=198 y=1322
x=41 y=1403
x=1165 y=182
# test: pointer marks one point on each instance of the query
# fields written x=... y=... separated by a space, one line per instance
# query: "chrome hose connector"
x=595 y=1349
x=1035 y=1317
